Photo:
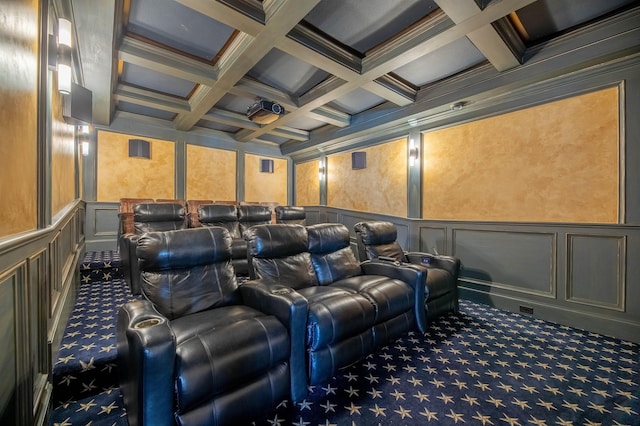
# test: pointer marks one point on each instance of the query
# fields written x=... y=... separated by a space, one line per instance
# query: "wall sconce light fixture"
x=321 y=169
x=84 y=131
x=64 y=56
x=414 y=153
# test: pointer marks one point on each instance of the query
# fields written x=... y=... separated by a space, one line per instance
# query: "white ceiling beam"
x=150 y=99
x=150 y=56
x=502 y=54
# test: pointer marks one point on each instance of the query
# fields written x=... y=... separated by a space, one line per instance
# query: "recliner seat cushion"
x=390 y=297
x=227 y=355
x=335 y=314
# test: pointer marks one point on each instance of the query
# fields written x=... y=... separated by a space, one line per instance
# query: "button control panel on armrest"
x=281 y=291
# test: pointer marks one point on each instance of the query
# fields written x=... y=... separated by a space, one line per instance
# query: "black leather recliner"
x=235 y=219
x=191 y=353
x=337 y=310
x=378 y=239
x=147 y=217
x=291 y=214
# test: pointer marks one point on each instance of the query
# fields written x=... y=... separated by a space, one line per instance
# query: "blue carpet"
x=86 y=361
x=482 y=366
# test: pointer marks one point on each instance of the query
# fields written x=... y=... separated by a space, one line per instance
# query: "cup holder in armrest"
x=147 y=323
x=280 y=291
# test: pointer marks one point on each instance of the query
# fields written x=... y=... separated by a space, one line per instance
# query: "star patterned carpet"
x=482 y=366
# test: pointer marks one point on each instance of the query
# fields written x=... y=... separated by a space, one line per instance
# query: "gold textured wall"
x=18 y=116
x=307 y=184
x=265 y=187
x=211 y=174
x=119 y=176
x=63 y=154
x=380 y=188
x=557 y=162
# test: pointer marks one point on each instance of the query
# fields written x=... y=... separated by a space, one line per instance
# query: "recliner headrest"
x=217 y=213
x=158 y=212
x=184 y=248
x=290 y=213
x=254 y=213
x=327 y=237
x=276 y=240
x=376 y=232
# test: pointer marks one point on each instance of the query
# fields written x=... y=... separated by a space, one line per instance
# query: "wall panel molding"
x=38 y=278
x=508 y=260
x=594 y=259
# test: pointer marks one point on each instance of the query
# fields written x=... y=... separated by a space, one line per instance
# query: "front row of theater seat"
x=195 y=350
x=199 y=349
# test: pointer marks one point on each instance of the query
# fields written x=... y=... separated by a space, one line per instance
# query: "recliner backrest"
x=291 y=214
x=378 y=239
x=149 y=217
x=187 y=271
x=278 y=254
x=331 y=254
x=223 y=215
x=250 y=215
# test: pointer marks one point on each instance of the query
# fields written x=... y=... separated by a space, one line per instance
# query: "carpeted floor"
x=482 y=366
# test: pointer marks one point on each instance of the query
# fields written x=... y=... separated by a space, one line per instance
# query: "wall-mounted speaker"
x=266 y=165
x=77 y=106
x=139 y=148
x=358 y=160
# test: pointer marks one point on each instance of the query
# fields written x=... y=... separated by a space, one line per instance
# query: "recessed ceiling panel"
x=154 y=80
x=143 y=110
x=234 y=103
x=444 y=62
x=272 y=138
x=286 y=73
x=305 y=123
x=177 y=26
x=362 y=25
x=357 y=101
x=544 y=18
x=217 y=126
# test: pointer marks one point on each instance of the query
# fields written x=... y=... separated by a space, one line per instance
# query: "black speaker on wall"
x=77 y=107
x=266 y=165
x=139 y=148
x=358 y=160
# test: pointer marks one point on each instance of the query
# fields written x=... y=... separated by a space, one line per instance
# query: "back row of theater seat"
x=164 y=215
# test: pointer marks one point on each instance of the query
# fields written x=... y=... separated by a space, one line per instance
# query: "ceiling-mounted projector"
x=264 y=112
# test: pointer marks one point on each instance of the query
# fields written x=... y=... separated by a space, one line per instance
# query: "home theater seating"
x=138 y=215
x=377 y=240
x=191 y=352
x=198 y=348
x=147 y=217
x=236 y=219
x=337 y=310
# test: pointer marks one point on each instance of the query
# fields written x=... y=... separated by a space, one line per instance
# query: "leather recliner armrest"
x=448 y=263
x=129 y=260
x=414 y=275
x=146 y=356
x=291 y=309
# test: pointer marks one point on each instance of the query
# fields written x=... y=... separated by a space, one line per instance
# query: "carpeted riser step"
x=86 y=361
x=101 y=266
